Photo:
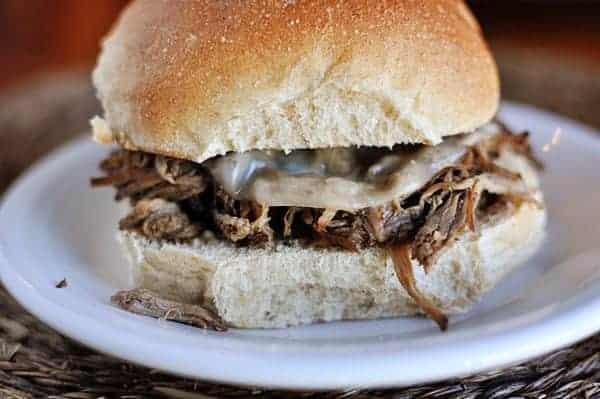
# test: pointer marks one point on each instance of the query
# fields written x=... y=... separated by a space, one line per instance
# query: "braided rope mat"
x=35 y=361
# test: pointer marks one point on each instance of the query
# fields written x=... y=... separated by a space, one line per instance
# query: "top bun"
x=195 y=79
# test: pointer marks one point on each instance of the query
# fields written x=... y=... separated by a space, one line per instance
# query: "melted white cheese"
x=338 y=178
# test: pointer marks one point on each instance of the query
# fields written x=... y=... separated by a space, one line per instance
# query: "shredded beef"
x=288 y=220
x=392 y=222
x=177 y=200
x=443 y=224
x=241 y=229
x=346 y=231
x=147 y=303
x=401 y=256
x=160 y=219
x=138 y=175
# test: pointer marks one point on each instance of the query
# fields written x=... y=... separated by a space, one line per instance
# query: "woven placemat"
x=35 y=361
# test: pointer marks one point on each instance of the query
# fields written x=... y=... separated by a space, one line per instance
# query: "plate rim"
x=35 y=303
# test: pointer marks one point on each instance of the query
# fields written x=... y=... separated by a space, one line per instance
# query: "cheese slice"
x=338 y=178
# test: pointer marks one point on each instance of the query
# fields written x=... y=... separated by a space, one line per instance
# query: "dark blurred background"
x=548 y=52
x=41 y=35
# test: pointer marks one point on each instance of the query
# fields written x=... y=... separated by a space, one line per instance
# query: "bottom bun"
x=293 y=284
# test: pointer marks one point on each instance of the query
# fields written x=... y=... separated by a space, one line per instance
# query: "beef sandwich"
x=292 y=162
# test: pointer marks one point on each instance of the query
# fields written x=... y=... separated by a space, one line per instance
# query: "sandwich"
x=294 y=162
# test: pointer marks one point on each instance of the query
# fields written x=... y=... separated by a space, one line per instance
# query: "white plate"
x=52 y=225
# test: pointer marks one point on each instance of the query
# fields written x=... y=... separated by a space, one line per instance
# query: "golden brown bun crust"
x=194 y=79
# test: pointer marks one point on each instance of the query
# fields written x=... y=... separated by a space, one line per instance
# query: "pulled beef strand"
x=145 y=302
x=288 y=220
x=138 y=175
x=443 y=225
x=240 y=229
x=401 y=257
x=159 y=219
x=520 y=144
x=392 y=221
x=348 y=231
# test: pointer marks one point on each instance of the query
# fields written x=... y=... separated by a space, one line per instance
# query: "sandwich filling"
x=412 y=199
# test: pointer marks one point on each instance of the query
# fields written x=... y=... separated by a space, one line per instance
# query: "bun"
x=196 y=79
x=291 y=285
